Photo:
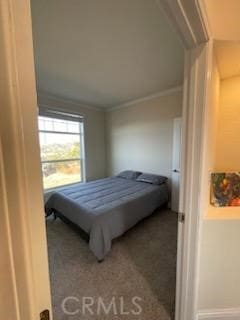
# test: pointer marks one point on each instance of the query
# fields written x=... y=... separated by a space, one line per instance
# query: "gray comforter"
x=106 y=208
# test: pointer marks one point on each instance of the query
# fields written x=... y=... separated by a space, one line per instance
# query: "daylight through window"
x=61 y=144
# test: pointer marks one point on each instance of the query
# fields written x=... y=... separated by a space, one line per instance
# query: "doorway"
x=132 y=122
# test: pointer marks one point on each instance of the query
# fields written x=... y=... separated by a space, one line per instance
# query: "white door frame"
x=21 y=159
x=191 y=187
x=190 y=21
x=19 y=135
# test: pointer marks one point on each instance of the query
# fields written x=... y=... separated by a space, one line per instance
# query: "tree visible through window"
x=61 y=144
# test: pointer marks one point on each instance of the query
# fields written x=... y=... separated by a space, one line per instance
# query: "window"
x=61 y=144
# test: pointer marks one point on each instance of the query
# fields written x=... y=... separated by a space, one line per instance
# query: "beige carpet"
x=141 y=264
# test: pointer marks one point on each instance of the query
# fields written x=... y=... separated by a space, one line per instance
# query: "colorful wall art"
x=225 y=189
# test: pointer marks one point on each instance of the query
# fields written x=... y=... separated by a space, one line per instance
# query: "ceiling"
x=228 y=58
x=104 y=53
x=224 y=18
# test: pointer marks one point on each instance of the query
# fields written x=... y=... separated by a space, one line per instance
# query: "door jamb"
x=21 y=160
x=192 y=189
x=190 y=22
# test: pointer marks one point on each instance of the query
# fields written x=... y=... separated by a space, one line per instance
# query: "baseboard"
x=219 y=314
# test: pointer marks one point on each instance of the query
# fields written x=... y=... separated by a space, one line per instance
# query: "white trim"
x=18 y=129
x=61 y=108
x=146 y=98
x=219 y=314
x=6 y=253
x=179 y=267
x=60 y=100
x=178 y=19
x=60 y=114
x=191 y=188
x=201 y=7
x=189 y=19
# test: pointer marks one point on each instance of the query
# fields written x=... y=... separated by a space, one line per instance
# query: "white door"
x=177 y=123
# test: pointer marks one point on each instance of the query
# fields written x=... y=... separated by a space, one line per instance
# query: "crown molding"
x=146 y=98
x=57 y=99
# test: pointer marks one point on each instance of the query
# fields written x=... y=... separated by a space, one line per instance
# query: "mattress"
x=107 y=208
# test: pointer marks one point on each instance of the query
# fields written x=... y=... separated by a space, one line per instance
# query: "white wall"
x=139 y=136
x=219 y=280
x=224 y=19
x=228 y=138
x=94 y=132
x=220 y=265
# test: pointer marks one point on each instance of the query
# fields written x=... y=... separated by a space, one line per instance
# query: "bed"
x=106 y=208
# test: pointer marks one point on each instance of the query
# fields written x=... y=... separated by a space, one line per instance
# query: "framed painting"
x=225 y=189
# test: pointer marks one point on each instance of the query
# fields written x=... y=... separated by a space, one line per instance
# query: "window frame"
x=65 y=116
